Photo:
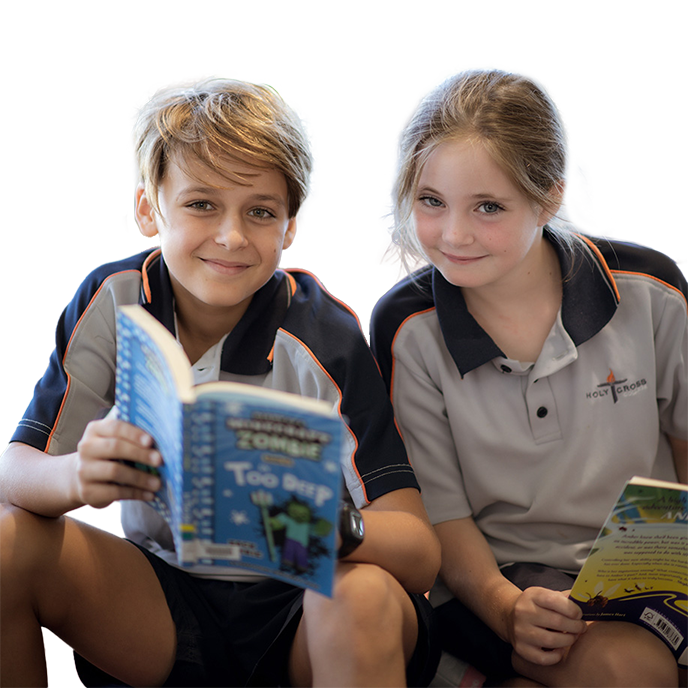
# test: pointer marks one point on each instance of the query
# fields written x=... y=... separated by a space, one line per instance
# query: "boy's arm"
x=400 y=539
x=94 y=475
x=36 y=481
x=530 y=620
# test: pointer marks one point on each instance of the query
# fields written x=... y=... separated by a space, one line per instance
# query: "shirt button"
x=506 y=369
x=542 y=412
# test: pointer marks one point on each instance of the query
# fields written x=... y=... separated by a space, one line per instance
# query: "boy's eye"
x=262 y=213
x=200 y=205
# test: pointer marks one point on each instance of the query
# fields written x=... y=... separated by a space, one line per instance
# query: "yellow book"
x=637 y=570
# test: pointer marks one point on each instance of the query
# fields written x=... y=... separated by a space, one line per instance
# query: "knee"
x=27 y=541
x=366 y=601
x=633 y=656
x=643 y=670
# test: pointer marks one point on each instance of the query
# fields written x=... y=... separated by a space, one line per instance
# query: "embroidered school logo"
x=615 y=388
x=611 y=382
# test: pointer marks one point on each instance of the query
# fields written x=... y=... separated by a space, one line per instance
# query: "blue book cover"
x=251 y=476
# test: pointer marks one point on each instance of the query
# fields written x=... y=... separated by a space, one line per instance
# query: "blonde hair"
x=510 y=115
x=219 y=120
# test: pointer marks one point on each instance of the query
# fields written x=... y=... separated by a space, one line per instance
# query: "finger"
x=119 y=473
x=555 y=622
x=548 y=639
x=100 y=495
x=122 y=446
x=539 y=655
x=558 y=602
x=102 y=482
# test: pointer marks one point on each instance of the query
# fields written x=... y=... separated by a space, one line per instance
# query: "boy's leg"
x=93 y=589
x=364 y=635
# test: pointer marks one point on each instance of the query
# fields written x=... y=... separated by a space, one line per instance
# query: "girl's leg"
x=93 y=589
x=683 y=678
x=609 y=653
x=363 y=636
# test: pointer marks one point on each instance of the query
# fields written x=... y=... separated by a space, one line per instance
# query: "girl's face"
x=473 y=223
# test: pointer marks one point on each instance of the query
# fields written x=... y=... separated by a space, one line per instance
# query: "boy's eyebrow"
x=202 y=189
x=275 y=198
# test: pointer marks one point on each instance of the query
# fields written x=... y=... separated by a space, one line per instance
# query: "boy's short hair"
x=217 y=121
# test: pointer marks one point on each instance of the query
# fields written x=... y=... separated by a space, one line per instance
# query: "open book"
x=637 y=570
x=251 y=476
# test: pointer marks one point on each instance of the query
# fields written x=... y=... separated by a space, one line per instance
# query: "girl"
x=532 y=371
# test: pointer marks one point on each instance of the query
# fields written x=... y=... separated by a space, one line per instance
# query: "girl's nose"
x=457 y=231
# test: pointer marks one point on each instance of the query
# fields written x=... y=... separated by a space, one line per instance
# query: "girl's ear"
x=556 y=196
x=145 y=215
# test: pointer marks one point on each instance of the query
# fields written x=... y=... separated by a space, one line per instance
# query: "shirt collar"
x=589 y=301
x=247 y=348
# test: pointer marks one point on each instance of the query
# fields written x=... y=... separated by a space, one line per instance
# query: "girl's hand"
x=543 y=624
x=102 y=473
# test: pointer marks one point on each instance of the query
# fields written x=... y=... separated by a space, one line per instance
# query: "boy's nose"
x=231 y=234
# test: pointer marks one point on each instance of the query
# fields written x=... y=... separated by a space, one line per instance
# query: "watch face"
x=356 y=524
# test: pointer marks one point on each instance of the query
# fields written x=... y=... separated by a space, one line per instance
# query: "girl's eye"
x=490 y=207
x=431 y=201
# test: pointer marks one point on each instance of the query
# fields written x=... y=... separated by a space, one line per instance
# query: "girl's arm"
x=679 y=449
x=540 y=624
x=94 y=475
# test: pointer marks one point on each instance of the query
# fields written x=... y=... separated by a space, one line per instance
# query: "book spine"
x=200 y=466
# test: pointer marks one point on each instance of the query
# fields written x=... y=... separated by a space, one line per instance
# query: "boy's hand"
x=101 y=476
x=543 y=624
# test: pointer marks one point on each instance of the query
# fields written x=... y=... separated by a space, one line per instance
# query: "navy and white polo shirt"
x=537 y=453
x=294 y=337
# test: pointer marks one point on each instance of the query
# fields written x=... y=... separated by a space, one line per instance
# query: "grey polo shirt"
x=537 y=453
x=294 y=337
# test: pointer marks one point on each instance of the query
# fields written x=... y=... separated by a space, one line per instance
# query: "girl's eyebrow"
x=481 y=195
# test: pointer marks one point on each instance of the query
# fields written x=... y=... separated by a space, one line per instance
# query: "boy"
x=224 y=168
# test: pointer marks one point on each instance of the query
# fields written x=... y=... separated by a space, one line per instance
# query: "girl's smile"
x=473 y=223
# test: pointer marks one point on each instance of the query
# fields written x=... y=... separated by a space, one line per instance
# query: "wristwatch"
x=351 y=529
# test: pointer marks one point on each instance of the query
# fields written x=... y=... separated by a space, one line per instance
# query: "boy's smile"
x=222 y=240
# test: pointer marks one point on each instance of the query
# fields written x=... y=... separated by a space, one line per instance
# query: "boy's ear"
x=144 y=213
x=289 y=234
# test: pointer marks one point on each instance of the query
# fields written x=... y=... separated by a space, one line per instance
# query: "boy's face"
x=221 y=241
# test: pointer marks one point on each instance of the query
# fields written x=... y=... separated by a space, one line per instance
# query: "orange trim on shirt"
x=391 y=383
x=656 y=279
x=334 y=298
x=339 y=404
x=65 y=396
x=610 y=272
x=603 y=262
x=144 y=274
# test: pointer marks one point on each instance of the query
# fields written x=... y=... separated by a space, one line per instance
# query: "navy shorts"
x=240 y=634
x=465 y=636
